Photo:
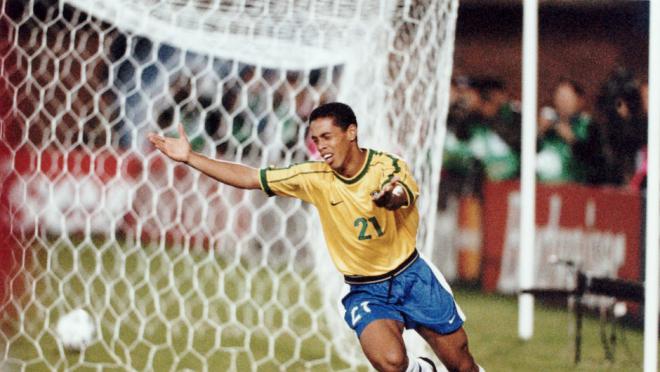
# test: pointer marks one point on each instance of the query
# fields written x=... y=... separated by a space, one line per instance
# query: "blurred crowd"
x=229 y=108
x=594 y=140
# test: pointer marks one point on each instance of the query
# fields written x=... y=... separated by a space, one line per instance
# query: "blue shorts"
x=417 y=296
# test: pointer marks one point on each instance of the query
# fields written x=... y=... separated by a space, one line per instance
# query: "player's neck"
x=354 y=162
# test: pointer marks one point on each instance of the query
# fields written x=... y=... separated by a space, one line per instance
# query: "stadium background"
x=578 y=40
x=583 y=40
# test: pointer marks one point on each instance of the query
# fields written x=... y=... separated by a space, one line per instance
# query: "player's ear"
x=351 y=132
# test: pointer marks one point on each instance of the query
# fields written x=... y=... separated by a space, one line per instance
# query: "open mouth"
x=328 y=158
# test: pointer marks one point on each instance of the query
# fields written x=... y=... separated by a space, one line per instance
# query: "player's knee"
x=392 y=361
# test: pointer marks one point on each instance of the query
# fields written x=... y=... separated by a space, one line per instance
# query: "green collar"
x=360 y=174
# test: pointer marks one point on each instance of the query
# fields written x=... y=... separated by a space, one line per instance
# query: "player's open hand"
x=176 y=148
x=390 y=196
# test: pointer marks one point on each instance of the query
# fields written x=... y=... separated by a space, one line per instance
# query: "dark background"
x=579 y=40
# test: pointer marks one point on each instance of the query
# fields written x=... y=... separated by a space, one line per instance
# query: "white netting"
x=179 y=271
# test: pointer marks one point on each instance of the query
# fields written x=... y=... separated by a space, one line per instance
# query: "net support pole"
x=528 y=171
x=652 y=197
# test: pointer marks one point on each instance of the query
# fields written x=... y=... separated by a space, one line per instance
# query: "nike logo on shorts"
x=451 y=320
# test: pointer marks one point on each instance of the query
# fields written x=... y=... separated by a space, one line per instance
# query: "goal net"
x=178 y=271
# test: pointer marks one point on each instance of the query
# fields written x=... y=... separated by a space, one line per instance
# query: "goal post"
x=177 y=270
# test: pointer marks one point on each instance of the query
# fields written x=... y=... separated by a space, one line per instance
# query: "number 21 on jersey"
x=363 y=223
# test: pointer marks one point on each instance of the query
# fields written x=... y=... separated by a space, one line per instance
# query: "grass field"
x=168 y=309
x=492 y=329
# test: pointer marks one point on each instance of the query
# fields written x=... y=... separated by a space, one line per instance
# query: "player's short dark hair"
x=341 y=113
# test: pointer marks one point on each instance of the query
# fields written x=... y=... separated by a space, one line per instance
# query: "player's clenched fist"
x=391 y=196
x=176 y=148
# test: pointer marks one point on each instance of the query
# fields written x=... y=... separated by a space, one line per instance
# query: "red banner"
x=8 y=135
x=598 y=229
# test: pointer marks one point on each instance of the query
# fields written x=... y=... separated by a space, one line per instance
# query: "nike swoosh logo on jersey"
x=335 y=203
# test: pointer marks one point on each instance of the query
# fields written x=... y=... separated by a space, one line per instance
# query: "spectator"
x=638 y=180
x=569 y=145
x=483 y=136
x=463 y=107
x=621 y=104
x=461 y=172
x=499 y=112
x=494 y=132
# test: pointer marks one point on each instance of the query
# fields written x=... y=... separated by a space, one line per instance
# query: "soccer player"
x=366 y=202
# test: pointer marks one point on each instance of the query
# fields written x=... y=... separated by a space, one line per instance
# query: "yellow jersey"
x=362 y=238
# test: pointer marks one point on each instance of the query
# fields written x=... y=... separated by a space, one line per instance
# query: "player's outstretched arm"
x=391 y=196
x=233 y=174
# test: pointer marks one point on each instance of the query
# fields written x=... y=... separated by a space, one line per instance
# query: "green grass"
x=492 y=331
x=172 y=309
x=168 y=309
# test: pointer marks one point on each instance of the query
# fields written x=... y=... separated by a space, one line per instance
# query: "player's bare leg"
x=382 y=343
x=451 y=349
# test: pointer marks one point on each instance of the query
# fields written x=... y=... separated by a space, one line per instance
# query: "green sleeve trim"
x=409 y=193
x=411 y=196
x=387 y=180
x=397 y=169
x=264 y=182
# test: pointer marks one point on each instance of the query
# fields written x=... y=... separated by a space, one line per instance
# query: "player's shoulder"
x=387 y=159
x=385 y=154
x=311 y=166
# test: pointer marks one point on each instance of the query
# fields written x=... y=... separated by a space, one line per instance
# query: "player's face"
x=332 y=142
